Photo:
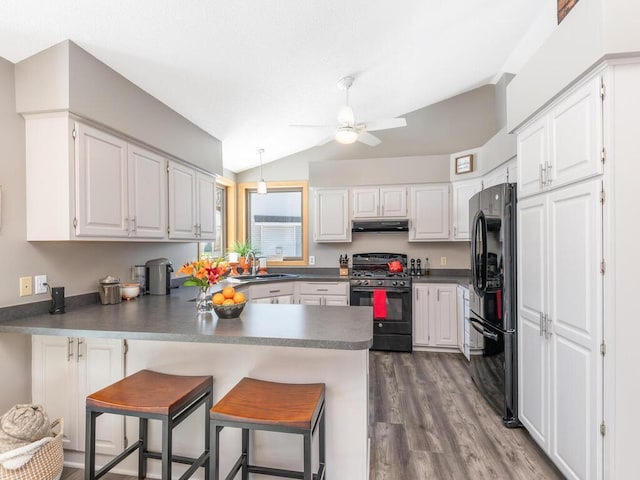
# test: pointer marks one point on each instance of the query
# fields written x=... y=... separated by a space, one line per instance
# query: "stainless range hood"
x=380 y=226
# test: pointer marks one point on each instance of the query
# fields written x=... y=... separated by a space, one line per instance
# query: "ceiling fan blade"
x=368 y=139
x=386 y=124
x=325 y=140
x=299 y=125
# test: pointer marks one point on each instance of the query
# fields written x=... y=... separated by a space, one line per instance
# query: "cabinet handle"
x=134 y=220
x=69 y=349
x=548 y=173
x=541 y=175
x=274 y=291
x=322 y=289
x=78 y=354
x=541 y=316
x=547 y=326
x=455 y=230
x=438 y=295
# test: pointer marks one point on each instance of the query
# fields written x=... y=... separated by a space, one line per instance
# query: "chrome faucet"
x=254 y=263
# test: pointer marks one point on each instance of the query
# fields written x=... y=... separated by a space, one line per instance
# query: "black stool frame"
x=317 y=423
x=166 y=456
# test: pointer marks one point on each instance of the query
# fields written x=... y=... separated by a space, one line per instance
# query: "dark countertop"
x=457 y=279
x=173 y=318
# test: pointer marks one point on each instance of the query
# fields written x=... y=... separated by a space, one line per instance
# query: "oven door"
x=398 y=303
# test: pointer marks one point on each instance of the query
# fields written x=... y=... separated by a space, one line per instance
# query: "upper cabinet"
x=462 y=193
x=375 y=202
x=429 y=212
x=191 y=203
x=565 y=144
x=332 y=222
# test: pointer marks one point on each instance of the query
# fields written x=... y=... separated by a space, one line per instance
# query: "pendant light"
x=262 y=185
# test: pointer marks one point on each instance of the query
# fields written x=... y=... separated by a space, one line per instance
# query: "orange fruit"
x=239 y=297
x=228 y=301
x=217 y=298
x=228 y=292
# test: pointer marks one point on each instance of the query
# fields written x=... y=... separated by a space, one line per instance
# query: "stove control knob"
x=402 y=283
x=395 y=283
x=380 y=325
x=380 y=282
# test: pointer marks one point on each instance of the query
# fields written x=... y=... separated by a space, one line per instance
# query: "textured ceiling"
x=244 y=70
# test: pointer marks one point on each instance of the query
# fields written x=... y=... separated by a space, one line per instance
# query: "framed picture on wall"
x=464 y=164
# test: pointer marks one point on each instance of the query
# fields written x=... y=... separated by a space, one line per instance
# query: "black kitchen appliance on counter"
x=381 y=281
x=492 y=295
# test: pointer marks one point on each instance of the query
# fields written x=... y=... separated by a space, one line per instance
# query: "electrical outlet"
x=26 y=286
x=443 y=261
x=40 y=284
x=312 y=260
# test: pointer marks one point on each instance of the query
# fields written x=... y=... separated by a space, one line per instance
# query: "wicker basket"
x=46 y=463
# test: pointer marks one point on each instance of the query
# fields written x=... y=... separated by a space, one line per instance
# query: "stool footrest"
x=278 y=472
x=174 y=458
x=124 y=454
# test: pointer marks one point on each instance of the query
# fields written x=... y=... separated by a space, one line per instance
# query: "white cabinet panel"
x=373 y=202
x=462 y=193
x=147 y=193
x=429 y=212
x=182 y=201
x=206 y=206
x=533 y=155
x=435 y=316
x=332 y=220
x=393 y=201
x=366 y=202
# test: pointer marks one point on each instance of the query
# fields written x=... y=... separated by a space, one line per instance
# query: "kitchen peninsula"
x=282 y=343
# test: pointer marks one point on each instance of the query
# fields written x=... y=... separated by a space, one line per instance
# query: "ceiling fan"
x=347 y=131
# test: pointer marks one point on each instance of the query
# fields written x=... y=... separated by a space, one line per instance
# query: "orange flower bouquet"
x=203 y=273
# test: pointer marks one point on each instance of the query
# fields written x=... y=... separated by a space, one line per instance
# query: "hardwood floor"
x=428 y=421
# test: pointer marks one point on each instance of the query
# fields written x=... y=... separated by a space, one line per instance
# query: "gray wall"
x=65 y=77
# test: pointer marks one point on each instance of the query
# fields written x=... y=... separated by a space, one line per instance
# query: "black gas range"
x=389 y=293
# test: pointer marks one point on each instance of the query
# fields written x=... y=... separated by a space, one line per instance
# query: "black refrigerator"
x=492 y=298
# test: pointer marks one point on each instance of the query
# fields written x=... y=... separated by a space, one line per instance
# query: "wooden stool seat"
x=150 y=392
x=281 y=407
x=150 y=395
x=269 y=403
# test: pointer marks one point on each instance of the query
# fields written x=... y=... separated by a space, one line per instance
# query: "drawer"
x=273 y=289
x=323 y=288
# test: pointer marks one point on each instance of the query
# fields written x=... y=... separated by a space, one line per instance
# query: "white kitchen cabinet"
x=323 y=293
x=191 y=203
x=462 y=193
x=376 y=202
x=276 y=292
x=565 y=144
x=332 y=217
x=67 y=369
x=559 y=318
x=429 y=212
x=86 y=184
x=435 y=319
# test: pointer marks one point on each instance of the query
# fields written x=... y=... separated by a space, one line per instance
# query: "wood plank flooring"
x=428 y=421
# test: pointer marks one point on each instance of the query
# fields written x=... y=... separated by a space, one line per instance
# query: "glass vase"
x=203 y=301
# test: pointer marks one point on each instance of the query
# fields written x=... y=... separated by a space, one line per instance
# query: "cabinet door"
x=182 y=202
x=574 y=314
x=101 y=363
x=101 y=184
x=306 y=299
x=283 y=299
x=575 y=131
x=55 y=383
x=533 y=388
x=147 y=193
x=336 y=300
x=332 y=221
x=429 y=213
x=262 y=300
x=460 y=307
x=393 y=201
x=366 y=202
x=443 y=318
x=532 y=157
x=206 y=205
x=421 y=315
x=462 y=192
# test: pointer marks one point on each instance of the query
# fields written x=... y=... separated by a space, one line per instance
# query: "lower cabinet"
x=435 y=320
x=64 y=370
x=273 y=293
x=323 y=293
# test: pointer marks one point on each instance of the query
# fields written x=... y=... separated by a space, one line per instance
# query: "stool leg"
x=321 y=445
x=90 y=446
x=245 y=453
x=308 y=473
x=166 y=448
x=142 y=450
x=214 y=452
x=207 y=434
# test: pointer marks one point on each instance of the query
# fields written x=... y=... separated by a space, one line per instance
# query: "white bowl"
x=129 y=290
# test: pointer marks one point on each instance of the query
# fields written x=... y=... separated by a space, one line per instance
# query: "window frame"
x=245 y=188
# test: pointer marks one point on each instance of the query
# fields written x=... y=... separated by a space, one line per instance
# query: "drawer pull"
x=274 y=291
x=322 y=290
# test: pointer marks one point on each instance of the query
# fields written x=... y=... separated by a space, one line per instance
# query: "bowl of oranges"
x=228 y=303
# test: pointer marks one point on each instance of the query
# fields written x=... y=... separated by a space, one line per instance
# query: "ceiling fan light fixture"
x=346 y=135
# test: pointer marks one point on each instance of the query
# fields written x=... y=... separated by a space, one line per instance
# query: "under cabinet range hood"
x=380 y=226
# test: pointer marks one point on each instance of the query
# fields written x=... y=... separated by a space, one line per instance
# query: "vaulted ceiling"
x=245 y=70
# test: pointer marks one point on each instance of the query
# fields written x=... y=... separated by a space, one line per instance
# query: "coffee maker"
x=158 y=273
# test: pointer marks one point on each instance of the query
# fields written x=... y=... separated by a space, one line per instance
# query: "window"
x=275 y=223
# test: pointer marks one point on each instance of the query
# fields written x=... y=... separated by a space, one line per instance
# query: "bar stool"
x=150 y=395
x=279 y=407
